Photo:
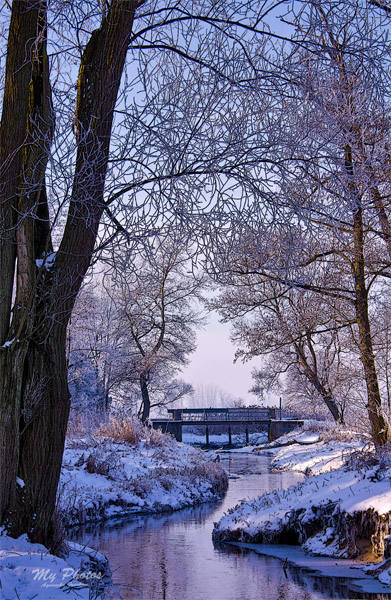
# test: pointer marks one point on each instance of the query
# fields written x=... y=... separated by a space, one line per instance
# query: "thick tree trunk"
x=11 y=359
x=25 y=111
x=43 y=422
x=33 y=375
x=381 y=432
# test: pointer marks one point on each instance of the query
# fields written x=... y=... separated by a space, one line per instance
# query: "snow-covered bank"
x=103 y=477
x=356 y=506
x=340 y=513
x=315 y=452
x=28 y=571
x=121 y=469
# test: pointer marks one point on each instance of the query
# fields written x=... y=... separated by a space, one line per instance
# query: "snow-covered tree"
x=79 y=151
x=299 y=335
x=155 y=294
x=94 y=356
x=327 y=189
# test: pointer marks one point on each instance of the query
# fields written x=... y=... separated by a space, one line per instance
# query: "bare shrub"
x=122 y=430
x=362 y=459
x=211 y=471
x=105 y=461
x=158 y=439
x=319 y=426
x=195 y=471
x=82 y=424
x=332 y=432
x=369 y=457
x=384 y=455
x=140 y=486
x=94 y=466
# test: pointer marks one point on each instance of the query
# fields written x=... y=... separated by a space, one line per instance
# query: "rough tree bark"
x=33 y=377
x=25 y=136
x=381 y=431
x=380 y=427
x=311 y=373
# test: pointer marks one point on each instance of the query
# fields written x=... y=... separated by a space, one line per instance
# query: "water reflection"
x=171 y=556
x=327 y=587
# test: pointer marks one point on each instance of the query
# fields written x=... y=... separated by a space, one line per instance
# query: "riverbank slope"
x=120 y=469
x=342 y=510
x=125 y=469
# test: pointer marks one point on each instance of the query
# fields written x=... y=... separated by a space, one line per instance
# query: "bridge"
x=225 y=418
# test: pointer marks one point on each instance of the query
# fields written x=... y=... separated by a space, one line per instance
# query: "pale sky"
x=213 y=362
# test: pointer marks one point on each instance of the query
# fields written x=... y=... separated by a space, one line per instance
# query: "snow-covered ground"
x=340 y=511
x=101 y=478
x=28 y=571
x=113 y=478
x=313 y=453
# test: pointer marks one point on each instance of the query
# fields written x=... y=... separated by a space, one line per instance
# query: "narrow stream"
x=172 y=557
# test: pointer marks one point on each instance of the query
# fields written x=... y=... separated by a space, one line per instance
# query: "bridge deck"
x=221 y=415
x=178 y=418
x=275 y=428
x=220 y=422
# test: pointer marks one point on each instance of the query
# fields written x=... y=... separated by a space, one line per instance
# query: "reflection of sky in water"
x=171 y=557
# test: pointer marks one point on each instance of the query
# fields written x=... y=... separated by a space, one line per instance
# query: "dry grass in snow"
x=124 y=468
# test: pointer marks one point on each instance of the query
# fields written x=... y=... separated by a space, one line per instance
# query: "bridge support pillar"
x=230 y=435
x=279 y=428
x=247 y=437
x=172 y=427
x=207 y=435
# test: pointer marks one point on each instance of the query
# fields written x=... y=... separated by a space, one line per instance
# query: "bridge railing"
x=222 y=414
